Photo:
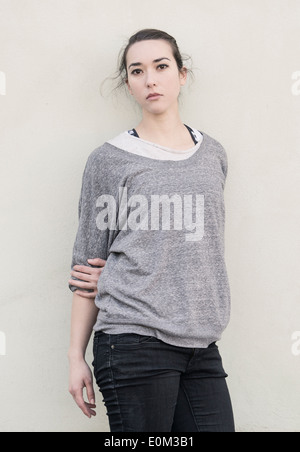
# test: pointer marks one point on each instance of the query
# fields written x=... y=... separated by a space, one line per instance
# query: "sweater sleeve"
x=90 y=242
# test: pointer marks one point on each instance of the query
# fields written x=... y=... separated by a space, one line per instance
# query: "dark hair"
x=147 y=35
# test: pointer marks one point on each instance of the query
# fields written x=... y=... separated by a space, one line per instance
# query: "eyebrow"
x=155 y=61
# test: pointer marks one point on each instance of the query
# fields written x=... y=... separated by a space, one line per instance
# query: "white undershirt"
x=144 y=148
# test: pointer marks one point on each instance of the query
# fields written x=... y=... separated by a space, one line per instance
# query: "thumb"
x=97 y=262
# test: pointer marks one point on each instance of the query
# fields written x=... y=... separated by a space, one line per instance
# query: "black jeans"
x=150 y=386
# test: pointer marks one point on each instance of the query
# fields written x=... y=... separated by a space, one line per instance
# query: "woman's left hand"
x=88 y=277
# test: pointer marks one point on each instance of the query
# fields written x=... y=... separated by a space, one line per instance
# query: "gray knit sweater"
x=160 y=226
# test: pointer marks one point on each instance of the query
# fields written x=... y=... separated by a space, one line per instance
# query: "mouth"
x=154 y=96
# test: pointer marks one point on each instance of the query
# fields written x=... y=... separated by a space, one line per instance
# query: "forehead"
x=148 y=51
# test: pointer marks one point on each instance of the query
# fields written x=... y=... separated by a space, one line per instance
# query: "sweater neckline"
x=165 y=163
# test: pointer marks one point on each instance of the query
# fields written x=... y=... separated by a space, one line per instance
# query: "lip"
x=154 y=96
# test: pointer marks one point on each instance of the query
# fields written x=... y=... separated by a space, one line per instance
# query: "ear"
x=183 y=76
x=128 y=86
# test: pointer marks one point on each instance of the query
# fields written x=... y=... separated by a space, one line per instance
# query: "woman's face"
x=153 y=76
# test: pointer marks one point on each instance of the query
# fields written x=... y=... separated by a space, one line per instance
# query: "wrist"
x=76 y=356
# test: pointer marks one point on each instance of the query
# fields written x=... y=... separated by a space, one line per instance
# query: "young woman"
x=151 y=218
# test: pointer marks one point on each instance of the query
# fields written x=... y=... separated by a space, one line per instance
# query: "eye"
x=162 y=67
x=136 y=72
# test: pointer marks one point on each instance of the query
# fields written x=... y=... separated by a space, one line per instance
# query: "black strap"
x=193 y=135
x=134 y=133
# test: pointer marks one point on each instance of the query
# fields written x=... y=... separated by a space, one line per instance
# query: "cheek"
x=135 y=88
x=172 y=80
x=173 y=86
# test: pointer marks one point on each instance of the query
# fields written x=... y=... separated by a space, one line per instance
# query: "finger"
x=90 y=393
x=81 y=276
x=97 y=262
x=86 y=408
x=80 y=284
x=90 y=407
x=82 y=269
x=78 y=397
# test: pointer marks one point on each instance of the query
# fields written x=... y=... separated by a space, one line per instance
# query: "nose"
x=150 y=80
x=151 y=84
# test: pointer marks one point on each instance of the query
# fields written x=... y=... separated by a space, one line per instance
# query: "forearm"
x=84 y=316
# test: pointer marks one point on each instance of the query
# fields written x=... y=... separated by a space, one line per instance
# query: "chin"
x=157 y=109
x=160 y=108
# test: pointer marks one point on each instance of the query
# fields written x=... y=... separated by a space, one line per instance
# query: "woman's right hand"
x=81 y=377
x=88 y=278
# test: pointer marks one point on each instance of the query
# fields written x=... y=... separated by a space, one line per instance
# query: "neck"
x=166 y=129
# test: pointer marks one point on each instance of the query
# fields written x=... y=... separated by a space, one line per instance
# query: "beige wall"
x=54 y=55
